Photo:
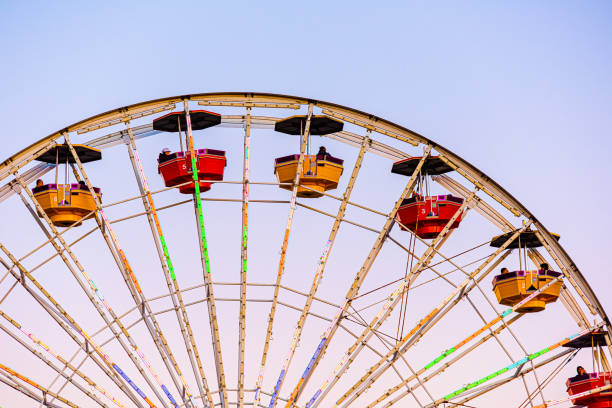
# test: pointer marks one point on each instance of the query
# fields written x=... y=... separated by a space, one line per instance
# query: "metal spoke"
x=319 y=273
x=39 y=387
x=212 y=309
x=90 y=289
x=281 y=264
x=168 y=269
x=373 y=362
x=133 y=285
x=243 y=255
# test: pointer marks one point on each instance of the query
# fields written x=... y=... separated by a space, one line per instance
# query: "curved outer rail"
x=364 y=119
x=349 y=115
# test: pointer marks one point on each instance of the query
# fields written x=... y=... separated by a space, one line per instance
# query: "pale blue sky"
x=520 y=89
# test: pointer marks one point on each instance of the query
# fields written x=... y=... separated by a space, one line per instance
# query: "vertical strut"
x=168 y=269
x=321 y=268
x=243 y=257
x=133 y=285
x=281 y=264
x=212 y=309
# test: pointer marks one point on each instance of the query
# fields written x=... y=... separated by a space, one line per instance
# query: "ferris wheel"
x=245 y=249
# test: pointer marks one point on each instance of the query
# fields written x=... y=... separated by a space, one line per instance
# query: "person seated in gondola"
x=504 y=270
x=39 y=185
x=322 y=153
x=582 y=374
x=164 y=156
x=82 y=185
x=544 y=267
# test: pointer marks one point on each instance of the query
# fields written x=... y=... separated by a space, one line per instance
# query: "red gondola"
x=210 y=164
x=588 y=382
x=427 y=216
x=175 y=167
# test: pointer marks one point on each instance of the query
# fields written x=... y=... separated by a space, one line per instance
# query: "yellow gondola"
x=512 y=287
x=67 y=203
x=320 y=172
x=319 y=175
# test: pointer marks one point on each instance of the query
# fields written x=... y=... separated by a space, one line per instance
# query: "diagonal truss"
x=393 y=352
x=66 y=322
x=94 y=294
x=135 y=290
x=361 y=275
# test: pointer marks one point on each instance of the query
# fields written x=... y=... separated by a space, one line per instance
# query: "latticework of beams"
x=494 y=205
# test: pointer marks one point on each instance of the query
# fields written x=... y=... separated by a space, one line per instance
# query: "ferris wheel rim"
x=7 y=166
x=461 y=163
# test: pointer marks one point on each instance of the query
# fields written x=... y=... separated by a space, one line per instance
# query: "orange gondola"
x=320 y=172
x=66 y=204
x=513 y=286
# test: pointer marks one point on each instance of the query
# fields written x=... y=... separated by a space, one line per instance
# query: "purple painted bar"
x=585 y=377
x=514 y=274
x=285 y=159
x=440 y=198
x=292 y=157
x=548 y=272
x=212 y=152
x=43 y=188
x=454 y=199
x=73 y=186
x=83 y=187
x=328 y=157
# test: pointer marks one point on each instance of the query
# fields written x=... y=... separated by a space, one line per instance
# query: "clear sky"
x=520 y=89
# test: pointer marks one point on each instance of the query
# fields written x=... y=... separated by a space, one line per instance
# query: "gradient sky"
x=521 y=89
